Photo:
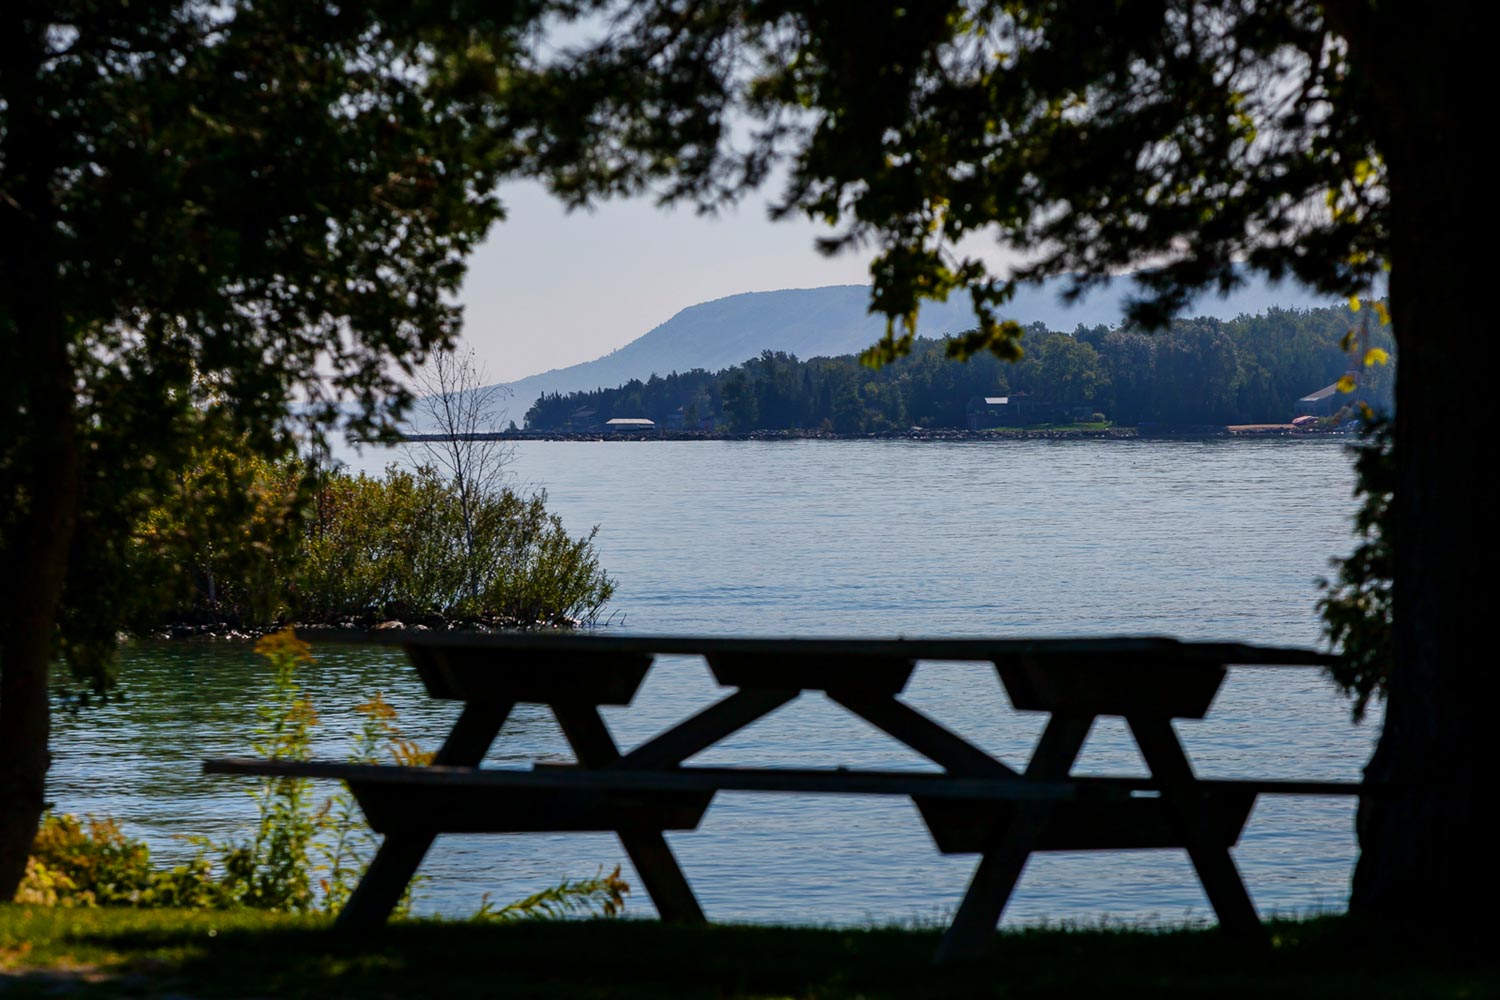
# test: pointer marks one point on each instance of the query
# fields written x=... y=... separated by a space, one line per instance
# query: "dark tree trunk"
x=1426 y=852
x=39 y=481
x=37 y=576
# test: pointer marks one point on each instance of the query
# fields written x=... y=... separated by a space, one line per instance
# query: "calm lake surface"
x=1202 y=540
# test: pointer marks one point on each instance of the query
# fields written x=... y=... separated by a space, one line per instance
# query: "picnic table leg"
x=384 y=882
x=648 y=849
x=662 y=876
x=1184 y=801
x=994 y=880
x=399 y=854
x=1002 y=863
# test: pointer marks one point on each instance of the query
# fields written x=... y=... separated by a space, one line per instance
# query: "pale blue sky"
x=550 y=289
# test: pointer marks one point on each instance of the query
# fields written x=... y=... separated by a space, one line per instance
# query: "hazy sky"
x=550 y=289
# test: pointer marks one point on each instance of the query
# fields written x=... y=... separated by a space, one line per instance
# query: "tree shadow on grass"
x=1324 y=958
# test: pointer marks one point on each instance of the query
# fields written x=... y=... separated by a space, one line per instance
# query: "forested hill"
x=824 y=322
x=1247 y=370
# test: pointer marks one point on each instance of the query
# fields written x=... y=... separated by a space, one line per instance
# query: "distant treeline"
x=1201 y=371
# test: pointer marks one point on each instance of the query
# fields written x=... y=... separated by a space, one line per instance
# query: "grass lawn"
x=61 y=952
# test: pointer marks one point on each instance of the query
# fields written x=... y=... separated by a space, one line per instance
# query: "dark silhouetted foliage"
x=1356 y=606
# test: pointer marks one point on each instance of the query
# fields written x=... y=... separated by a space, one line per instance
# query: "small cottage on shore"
x=629 y=425
x=1014 y=410
x=1329 y=400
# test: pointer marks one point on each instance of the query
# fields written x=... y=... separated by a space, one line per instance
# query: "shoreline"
x=342 y=628
x=1161 y=433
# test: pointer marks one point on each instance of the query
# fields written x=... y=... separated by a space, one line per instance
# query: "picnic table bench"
x=976 y=805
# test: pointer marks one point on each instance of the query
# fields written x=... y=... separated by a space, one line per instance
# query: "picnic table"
x=976 y=804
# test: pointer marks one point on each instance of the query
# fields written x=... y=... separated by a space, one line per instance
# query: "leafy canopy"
x=224 y=221
x=269 y=196
x=1097 y=138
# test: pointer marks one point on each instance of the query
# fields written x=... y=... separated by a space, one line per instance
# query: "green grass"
x=51 y=952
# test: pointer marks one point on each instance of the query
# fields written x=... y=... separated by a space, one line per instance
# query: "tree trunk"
x=36 y=573
x=1426 y=850
x=41 y=478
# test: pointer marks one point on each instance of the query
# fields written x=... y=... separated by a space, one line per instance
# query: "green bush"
x=377 y=546
x=90 y=862
x=253 y=544
x=400 y=547
x=219 y=545
x=1356 y=606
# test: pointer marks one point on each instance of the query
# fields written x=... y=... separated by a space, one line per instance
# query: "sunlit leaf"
x=1347 y=383
x=1376 y=356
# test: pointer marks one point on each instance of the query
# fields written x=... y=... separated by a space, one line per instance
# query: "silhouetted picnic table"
x=976 y=805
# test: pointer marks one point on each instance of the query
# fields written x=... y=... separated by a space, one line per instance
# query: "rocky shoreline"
x=237 y=632
x=929 y=434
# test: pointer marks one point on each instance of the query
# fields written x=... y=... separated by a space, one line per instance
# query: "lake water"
x=1202 y=540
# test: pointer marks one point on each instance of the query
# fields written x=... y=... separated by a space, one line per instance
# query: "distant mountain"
x=814 y=322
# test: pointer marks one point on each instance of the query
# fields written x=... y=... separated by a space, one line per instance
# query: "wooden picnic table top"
x=1123 y=649
x=1134 y=675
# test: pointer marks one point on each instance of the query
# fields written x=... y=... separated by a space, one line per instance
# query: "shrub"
x=271 y=871
x=251 y=544
x=402 y=547
x=218 y=547
x=90 y=862
x=1356 y=607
